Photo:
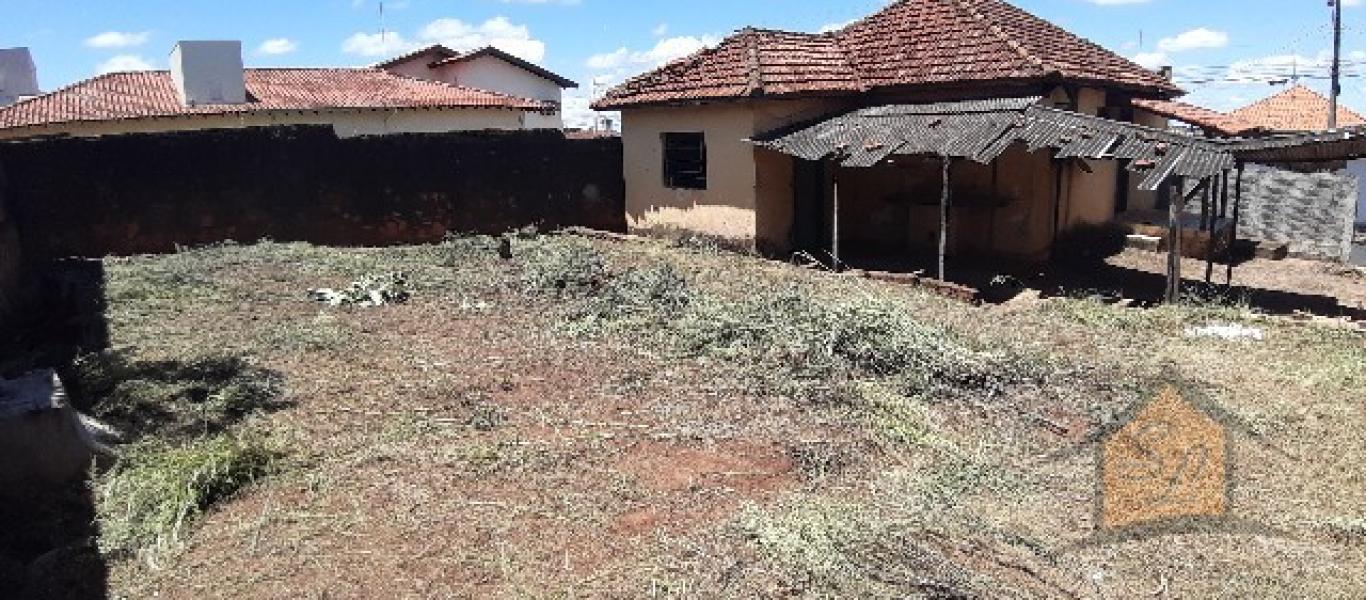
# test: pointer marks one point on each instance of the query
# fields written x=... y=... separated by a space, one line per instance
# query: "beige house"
x=690 y=164
x=434 y=90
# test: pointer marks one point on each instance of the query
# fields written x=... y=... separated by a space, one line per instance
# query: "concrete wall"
x=749 y=196
x=726 y=208
x=740 y=178
x=493 y=74
x=140 y=193
x=346 y=124
x=1312 y=212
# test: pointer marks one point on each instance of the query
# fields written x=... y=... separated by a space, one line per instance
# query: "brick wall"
x=151 y=192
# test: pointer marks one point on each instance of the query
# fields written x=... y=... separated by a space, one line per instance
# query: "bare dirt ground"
x=1293 y=277
x=474 y=443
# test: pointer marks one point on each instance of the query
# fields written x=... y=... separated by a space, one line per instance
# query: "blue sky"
x=1225 y=51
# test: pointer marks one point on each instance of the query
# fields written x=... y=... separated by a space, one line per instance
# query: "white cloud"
x=123 y=63
x=375 y=44
x=1279 y=66
x=118 y=39
x=829 y=27
x=1194 y=39
x=660 y=30
x=498 y=32
x=665 y=50
x=277 y=46
x=1152 y=60
x=575 y=111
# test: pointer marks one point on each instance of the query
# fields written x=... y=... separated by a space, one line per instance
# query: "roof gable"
x=909 y=43
x=525 y=65
x=1296 y=109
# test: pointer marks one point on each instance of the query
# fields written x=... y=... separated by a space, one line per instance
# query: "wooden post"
x=1207 y=208
x=835 y=221
x=1174 y=213
x=944 y=200
x=1237 y=214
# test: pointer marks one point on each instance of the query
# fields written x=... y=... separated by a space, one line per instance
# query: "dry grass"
x=631 y=420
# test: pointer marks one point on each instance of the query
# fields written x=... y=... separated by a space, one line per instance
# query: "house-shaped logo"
x=1168 y=463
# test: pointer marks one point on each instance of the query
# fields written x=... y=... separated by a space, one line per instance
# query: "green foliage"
x=565 y=266
x=786 y=330
x=155 y=493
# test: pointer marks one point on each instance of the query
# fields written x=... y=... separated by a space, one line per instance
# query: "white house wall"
x=496 y=75
x=346 y=124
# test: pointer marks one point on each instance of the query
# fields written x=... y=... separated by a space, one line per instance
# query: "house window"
x=685 y=161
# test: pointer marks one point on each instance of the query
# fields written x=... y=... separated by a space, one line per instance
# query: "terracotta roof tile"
x=1214 y=121
x=143 y=94
x=1296 y=109
x=911 y=42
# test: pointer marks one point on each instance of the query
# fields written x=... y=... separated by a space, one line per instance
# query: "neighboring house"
x=1294 y=110
x=1309 y=208
x=486 y=69
x=18 y=75
x=689 y=164
x=208 y=88
x=1302 y=109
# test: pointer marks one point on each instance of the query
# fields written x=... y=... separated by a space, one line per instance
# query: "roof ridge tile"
x=996 y=30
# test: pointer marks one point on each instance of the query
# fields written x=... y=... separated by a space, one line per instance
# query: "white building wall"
x=492 y=73
x=347 y=124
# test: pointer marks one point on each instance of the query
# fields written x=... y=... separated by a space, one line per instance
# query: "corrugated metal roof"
x=980 y=130
x=1343 y=144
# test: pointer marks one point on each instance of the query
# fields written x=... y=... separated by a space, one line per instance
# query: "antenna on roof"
x=383 y=31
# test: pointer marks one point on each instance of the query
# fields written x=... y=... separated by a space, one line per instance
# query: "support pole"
x=1237 y=215
x=1174 y=212
x=1215 y=222
x=1207 y=209
x=835 y=222
x=1337 y=65
x=944 y=200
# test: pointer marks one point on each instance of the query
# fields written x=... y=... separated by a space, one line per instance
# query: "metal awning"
x=1326 y=146
x=982 y=130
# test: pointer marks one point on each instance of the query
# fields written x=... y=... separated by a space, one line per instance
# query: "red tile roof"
x=437 y=52
x=1296 y=109
x=911 y=42
x=144 y=94
x=1204 y=118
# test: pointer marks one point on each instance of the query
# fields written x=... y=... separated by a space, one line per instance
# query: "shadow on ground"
x=48 y=530
x=1097 y=278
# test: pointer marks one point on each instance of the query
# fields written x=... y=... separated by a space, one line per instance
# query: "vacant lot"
x=609 y=419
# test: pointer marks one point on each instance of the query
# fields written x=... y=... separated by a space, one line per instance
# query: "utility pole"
x=1337 y=64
